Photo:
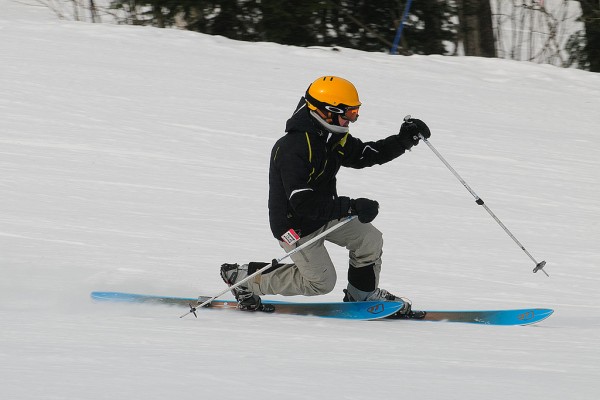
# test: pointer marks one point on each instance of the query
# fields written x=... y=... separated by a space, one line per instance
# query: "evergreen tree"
x=591 y=19
x=359 y=24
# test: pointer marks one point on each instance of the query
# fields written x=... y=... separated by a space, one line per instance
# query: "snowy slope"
x=135 y=159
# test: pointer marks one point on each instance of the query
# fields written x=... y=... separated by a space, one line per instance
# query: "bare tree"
x=535 y=30
x=76 y=10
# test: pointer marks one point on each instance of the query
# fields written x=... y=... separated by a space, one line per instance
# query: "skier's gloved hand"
x=341 y=208
x=365 y=209
x=409 y=132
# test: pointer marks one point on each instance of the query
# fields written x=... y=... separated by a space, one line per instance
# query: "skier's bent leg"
x=291 y=280
x=312 y=273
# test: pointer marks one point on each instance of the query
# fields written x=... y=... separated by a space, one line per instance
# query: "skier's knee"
x=318 y=290
x=324 y=287
x=324 y=284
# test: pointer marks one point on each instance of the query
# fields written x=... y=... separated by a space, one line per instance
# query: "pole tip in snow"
x=540 y=266
x=192 y=311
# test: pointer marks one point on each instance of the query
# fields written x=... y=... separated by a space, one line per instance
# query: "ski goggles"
x=349 y=113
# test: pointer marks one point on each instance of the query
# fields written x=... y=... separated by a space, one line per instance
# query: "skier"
x=303 y=201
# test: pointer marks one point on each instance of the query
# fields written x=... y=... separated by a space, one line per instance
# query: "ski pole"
x=274 y=262
x=538 y=266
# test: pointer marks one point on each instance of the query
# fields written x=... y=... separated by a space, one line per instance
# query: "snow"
x=135 y=159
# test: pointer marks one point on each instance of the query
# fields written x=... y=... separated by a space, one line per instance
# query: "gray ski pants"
x=313 y=272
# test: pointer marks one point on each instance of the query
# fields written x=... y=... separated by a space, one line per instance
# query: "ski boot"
x=406 y=312
x=246 y=299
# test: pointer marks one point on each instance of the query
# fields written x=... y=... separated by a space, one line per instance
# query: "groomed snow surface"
x=136 y=159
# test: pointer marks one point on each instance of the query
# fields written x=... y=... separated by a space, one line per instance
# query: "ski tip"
x=535 y=315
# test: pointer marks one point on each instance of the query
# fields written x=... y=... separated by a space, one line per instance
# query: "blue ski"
x=524 y=316
x=359 y=310
x=367 y=310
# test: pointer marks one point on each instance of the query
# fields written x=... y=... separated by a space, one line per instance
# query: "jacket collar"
x=302 y=121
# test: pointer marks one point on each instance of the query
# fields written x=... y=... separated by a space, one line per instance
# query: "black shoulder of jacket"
x=302 y=121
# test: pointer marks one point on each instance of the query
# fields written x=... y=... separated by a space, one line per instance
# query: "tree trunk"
x=590 y=14
x=476 y=27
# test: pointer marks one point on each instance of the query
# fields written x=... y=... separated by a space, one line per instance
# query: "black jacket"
x=303 y=168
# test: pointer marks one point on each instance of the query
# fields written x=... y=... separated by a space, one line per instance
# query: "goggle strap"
x=319 y=104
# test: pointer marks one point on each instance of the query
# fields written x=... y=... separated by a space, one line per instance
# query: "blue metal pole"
x=400 y=28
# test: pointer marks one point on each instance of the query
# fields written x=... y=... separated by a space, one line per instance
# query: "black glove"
x=409 y=132
x=366 y=209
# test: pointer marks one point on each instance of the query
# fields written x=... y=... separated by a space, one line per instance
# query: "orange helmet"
x=331 y=96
